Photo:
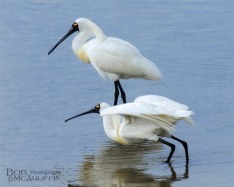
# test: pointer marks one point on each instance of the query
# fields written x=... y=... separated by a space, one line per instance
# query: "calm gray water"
x=192 y=42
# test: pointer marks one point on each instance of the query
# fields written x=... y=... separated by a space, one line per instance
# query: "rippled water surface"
x=192 y=42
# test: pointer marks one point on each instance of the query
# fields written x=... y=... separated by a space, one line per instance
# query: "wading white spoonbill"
x=113 y=58
x=149 y=117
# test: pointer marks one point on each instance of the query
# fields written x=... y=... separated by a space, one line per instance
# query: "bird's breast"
x=82 y=55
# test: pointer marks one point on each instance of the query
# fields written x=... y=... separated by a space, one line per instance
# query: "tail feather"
x=189 y=120
x=152 y=72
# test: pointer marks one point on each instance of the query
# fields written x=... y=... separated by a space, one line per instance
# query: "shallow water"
x=192 y=42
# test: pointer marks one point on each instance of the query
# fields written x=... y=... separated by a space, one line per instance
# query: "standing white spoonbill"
x=149 y=117
x=113 y=58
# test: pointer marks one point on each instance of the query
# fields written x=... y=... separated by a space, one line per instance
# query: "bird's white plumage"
x=142 y=119
x=113 y=58
x=138 y=108
x=161 y=102
x=150 y=105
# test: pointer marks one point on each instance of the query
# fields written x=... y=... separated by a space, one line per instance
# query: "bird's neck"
x=97 y=31
x=111 y=122
x=80 y=39
x=112 y=125
x=84 y=36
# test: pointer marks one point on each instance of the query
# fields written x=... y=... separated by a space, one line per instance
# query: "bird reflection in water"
x=119 y=166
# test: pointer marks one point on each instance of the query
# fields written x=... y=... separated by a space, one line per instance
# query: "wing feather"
x=117 y=56
x=137 y=108
x=159 y=122
x=161 y=102
x=164 y=114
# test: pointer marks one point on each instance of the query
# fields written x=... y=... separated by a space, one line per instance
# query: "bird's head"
x=97 y=109
x=82 y=24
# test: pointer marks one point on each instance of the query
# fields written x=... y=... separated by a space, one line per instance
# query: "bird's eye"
x=97 y=108
x=74 y=24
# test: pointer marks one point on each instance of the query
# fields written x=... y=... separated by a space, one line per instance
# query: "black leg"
x=116 y=92
x=185 y=145
x=123 y=95
x=172 y=148
x=173 y=173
